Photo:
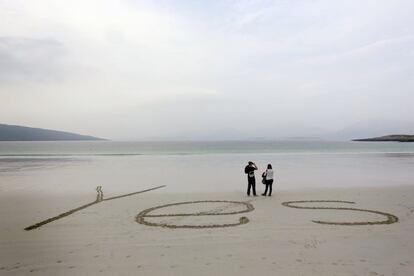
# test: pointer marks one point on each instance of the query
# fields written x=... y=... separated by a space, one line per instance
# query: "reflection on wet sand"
x=25 y=163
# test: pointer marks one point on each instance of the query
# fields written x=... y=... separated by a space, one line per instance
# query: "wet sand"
x=210 y=233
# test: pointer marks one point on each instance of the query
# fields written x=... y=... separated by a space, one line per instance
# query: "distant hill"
x=389 y=138
x=21 y=133
x=371 y=128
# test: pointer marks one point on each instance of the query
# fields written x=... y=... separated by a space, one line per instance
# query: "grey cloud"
x=23 y=58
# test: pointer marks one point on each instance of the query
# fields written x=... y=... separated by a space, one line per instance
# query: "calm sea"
x=72 y=167
x=82 y=148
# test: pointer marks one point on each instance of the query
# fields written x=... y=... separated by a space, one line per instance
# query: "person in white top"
x=268 y=181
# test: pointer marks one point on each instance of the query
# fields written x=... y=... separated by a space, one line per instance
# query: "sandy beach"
x=271 y=239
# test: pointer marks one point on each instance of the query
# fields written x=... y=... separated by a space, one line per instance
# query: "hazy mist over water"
x=78 y=167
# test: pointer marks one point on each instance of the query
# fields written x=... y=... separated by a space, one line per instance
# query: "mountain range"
x=21 y=133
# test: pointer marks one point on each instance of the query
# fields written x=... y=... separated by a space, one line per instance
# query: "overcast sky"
x=139 y=69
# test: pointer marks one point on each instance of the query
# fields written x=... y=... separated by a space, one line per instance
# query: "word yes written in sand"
x=153 y=217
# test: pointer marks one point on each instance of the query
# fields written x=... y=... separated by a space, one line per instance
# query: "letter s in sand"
x=390 y=218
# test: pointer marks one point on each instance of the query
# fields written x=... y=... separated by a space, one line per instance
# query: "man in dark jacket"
x=251 y=180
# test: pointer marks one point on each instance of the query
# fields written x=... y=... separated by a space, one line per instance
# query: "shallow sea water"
x=193 y=167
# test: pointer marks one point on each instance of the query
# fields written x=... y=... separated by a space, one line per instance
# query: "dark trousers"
x=269 y=184
x=251 y=185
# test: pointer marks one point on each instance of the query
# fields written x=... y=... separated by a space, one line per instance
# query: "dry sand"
x=261 y=237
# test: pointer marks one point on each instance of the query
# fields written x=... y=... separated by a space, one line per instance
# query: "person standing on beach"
x=251 y=180
x=268 y=175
